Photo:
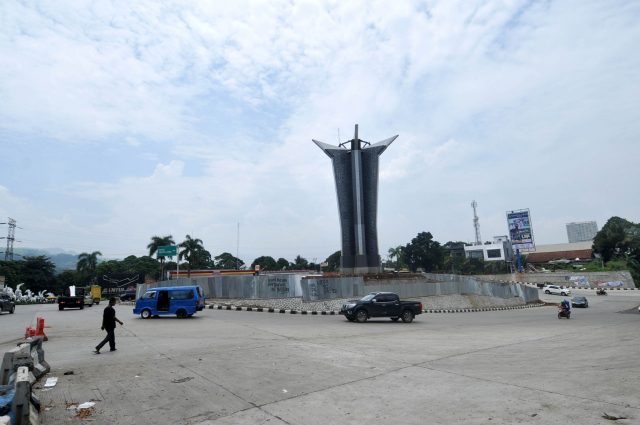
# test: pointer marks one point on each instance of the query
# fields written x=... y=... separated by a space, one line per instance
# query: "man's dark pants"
x=110 y=338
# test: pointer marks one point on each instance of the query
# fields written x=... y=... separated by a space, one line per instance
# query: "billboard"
x=520 y=232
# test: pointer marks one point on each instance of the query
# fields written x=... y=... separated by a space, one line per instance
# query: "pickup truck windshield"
x=368 y=297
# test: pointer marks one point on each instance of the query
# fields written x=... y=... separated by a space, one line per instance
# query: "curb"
x=334 y=312
x=271 y=310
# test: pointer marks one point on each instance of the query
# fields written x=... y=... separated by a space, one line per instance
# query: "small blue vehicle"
x=183 y=301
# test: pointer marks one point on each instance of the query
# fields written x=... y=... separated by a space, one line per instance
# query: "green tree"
x=38 y=273
x=333 y=261
x=615 y=238
x=11 y=270
x=266 y=263
x=63 y=280
x=300 y=263
x=397 y=254
x=87 y=264
x=473 y=266
x=157 y=242
x=282 y=264
x=425 y=253
x=192 y=249
x=228 y=261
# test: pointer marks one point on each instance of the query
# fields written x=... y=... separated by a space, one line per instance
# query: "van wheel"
x=145 y=314
x=407 y=316
x=182 y=313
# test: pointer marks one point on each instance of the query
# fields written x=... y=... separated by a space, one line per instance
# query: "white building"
x=581 y=231
x=499 y=250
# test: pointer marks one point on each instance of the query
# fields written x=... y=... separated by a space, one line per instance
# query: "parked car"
x=7 y=303
x=381 y=304
x=579 y=302
x=556 y=290
x=128 y=295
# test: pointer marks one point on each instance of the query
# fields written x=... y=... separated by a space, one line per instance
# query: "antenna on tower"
x=476 y=223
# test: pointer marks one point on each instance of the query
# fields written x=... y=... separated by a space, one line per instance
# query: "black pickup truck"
x=381 y=304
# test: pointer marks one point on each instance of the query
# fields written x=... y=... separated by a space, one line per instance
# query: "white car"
x=556 y=290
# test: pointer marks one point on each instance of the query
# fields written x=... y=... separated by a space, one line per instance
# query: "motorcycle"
x=601 y=292
x=563 y=312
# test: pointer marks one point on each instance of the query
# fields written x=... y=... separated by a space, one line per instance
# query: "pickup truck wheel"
x=351 y=319
x=394 y=319
x=60 y=307
x=361 y=316
x=82 y=307
x=145 y=314
x=407 y=316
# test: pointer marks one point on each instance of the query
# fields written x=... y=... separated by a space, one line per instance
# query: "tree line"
x=617 y=244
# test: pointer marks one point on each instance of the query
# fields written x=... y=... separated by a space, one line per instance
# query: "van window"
x=182 y=294
x=150 y=294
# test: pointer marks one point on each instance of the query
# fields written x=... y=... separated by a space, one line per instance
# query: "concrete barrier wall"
x=21 y=367
x=321 y=288
x=242 y=287
x=620 y=279
x=324 y=288
x=316 y=289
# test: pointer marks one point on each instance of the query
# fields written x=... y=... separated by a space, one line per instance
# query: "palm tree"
x=397 y=254
x=192 y=248
x=156 y=242
x=87 y=263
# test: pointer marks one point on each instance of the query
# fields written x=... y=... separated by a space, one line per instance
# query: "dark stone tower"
x=356 y=174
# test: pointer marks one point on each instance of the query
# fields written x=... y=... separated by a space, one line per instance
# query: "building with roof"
x=499 y=250
x=562 y=252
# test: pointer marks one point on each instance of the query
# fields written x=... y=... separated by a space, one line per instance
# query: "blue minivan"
x=183 y=301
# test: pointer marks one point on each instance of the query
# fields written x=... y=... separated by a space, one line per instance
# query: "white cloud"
x=516 y=104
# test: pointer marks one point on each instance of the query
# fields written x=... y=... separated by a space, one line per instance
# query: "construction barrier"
x=21 y=368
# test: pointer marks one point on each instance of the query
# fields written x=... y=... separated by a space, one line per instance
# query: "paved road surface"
x=230 y=367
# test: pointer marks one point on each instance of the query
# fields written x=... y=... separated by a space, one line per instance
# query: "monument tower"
x=356 y=175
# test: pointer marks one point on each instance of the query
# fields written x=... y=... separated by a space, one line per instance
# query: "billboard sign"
x=520 y=231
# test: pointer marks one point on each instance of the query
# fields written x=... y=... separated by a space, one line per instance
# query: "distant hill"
x=63 y=260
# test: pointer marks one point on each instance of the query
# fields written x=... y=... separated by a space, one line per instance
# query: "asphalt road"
x=233 y=367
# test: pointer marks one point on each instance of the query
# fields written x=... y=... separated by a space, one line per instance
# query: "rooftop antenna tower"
x=476 y=223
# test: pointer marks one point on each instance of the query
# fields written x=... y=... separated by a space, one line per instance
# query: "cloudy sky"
x=123 y=120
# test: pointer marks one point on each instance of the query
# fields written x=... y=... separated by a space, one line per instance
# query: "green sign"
x=167 y=251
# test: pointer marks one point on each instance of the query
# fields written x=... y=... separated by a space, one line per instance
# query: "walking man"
x=109 y=320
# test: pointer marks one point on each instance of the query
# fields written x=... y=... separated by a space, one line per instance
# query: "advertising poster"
x=520 y=232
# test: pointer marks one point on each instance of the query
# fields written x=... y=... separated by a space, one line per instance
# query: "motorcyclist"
x=565 y=306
